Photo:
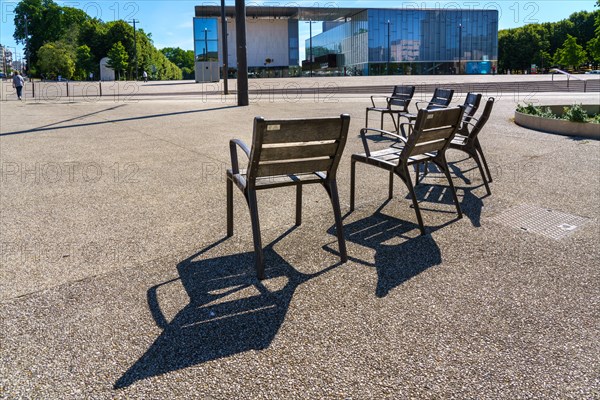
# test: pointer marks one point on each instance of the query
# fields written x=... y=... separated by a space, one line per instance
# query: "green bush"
x=575 y=113
x=530 y=109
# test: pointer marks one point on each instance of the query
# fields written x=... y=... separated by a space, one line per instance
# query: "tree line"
x=65 y=41
x=568 y=44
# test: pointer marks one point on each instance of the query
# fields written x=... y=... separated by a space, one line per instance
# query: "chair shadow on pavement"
x=400 y=253
x=229 y=312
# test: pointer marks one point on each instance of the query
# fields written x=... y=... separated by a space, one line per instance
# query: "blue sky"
x=170 y=22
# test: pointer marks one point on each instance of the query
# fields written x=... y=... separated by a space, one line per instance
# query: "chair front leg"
x=443 y=165
x=259 y=260
x=298 y=205
x=229 y=207
x=391 y=186
x=413 y=196
x=331 y=187
x=487 y=169
x=485 y=182
x=352 y=183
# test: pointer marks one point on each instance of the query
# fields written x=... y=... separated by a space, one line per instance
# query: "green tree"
x=571 y=53
x=54 y=59
x=184 y=59
x=118 y=58
x=46 y=22
x=84 y=62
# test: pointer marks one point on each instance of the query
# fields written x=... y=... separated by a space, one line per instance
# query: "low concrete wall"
x=559 y=126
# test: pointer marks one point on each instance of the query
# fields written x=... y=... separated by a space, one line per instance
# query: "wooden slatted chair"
x=397 y=103
x=467 y=140
x=431 y=135
x=290 y=152
x=441 y=99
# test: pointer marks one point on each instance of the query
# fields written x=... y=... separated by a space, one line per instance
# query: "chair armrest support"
x=233 y=144
x=377 y=97
x=363 y=136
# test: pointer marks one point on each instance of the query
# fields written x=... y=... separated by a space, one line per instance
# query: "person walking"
x=145 y=75
x=18 y=83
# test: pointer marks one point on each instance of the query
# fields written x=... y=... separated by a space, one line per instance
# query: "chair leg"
x=367 y=118
x=391 y=188
x=352 y=183
x=298 y=205
x=443 y=165
x=487 y=169
x=485 y=182
x=331 y=188
x=413 y=196
x=259 y=260
x=396 y=126
x=229 y=207
x=382 y=120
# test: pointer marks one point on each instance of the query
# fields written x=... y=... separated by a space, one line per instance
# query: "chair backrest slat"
x=432 y=132
x=441 y=98
x=311 y=150
x=401 y=96
x=300 y=130
x=297 y=167
x=471 y=105
x=483 y=118
x=295 y=146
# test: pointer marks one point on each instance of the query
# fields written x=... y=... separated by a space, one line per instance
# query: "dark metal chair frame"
x=467 y=140
x=441 y=99
x=430 y=137
x=396 y=104
x=290 y=152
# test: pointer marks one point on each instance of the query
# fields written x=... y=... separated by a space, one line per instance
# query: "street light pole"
x=26 y=45
x=135 y=48
x=205 y=44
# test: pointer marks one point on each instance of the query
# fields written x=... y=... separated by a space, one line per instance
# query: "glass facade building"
x=356 y=41
x=407 y=41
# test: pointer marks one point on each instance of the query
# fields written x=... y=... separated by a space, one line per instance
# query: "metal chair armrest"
x=363 y=136
x=233 y=145
x=377 y=97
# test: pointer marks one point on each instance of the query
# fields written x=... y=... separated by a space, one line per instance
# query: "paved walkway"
x=117 y=281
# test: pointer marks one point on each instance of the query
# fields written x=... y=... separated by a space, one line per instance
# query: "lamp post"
x=460 y=27
x=205 y=44
x=26 y=45
x=134 y=21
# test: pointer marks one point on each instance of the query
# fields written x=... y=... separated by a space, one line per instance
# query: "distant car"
x=595 y=71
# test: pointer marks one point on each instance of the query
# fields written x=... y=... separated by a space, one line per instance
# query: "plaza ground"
x=117 y=280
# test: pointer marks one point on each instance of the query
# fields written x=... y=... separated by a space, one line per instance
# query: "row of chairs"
x=298 y=152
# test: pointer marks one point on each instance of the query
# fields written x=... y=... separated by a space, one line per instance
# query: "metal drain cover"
x=542 y=221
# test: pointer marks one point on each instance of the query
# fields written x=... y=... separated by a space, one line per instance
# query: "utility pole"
x=134 y=21
x=26 y=46
x=242 y=53
x=224 y=39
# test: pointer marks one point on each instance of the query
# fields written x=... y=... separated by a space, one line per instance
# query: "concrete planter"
x=559 y=126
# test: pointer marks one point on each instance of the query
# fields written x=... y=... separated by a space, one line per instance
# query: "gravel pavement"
x=117 y=281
